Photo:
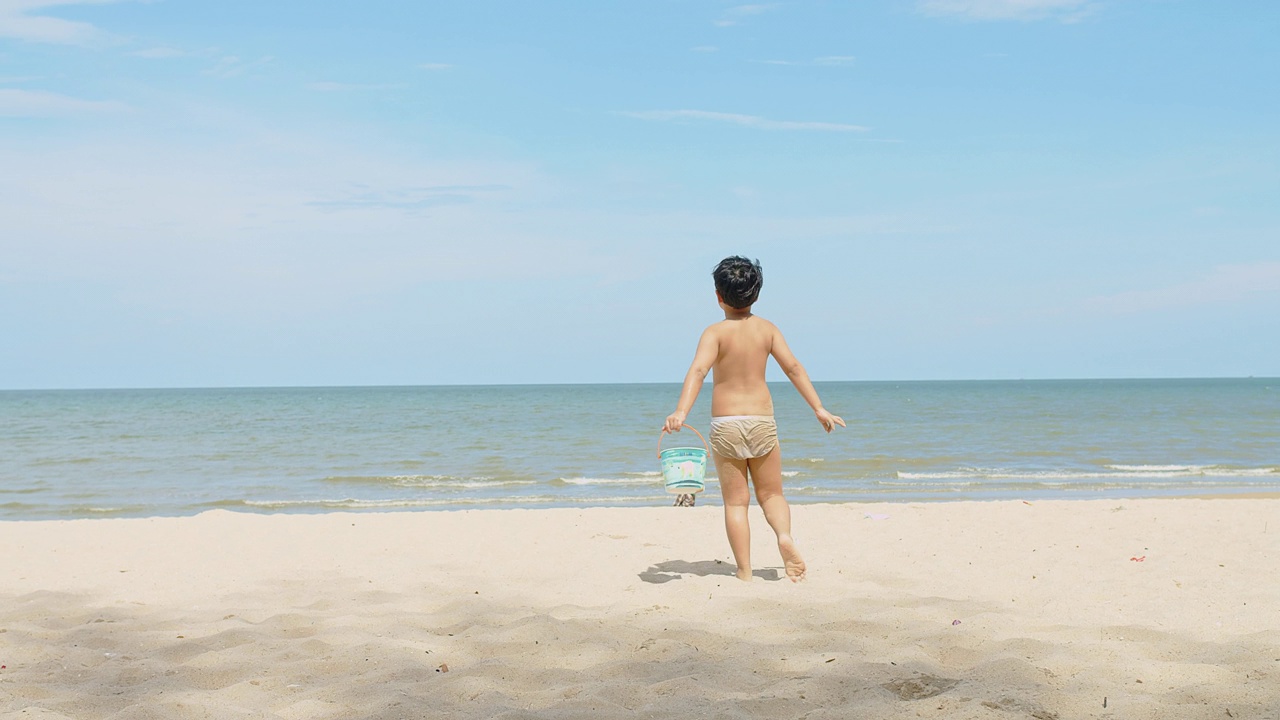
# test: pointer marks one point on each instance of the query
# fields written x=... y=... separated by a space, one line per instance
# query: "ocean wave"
x=654 y=480
x=1214 y=470
x=1127 y=472
x=80 y=511
x=1158 y=468
x=430 y=481
x=22 y=490
x=437 y=503
x=65 y=461
x=356 y=504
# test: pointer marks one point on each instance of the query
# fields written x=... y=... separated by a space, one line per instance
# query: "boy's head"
x=738 y=281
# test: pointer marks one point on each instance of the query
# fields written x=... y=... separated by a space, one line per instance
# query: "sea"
x=173 y=452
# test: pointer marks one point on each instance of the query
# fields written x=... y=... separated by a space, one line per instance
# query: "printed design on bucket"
x=684 y=469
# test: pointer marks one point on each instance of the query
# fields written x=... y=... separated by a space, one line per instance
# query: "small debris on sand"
x=919 y=688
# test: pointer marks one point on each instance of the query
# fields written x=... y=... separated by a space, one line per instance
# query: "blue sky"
x=285 y=193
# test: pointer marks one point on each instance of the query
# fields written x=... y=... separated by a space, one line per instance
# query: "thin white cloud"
x=1064 y=10
x=19 y=20
x=262 y=202
x=230 y=66
x=736 y=14
x=37 y=103
x=1224 y=285
x=436 y=66
x=751 y=121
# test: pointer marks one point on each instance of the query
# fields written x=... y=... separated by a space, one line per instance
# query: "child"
x=744 y=437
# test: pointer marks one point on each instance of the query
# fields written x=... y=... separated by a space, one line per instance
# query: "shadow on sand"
x=676 y=569
x=896 y=657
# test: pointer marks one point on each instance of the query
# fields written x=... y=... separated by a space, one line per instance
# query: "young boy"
x=744 y=437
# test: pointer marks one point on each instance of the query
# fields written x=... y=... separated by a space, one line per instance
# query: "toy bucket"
x=684 y=469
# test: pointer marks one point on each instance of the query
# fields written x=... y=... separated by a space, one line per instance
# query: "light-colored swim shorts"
x=743 y=437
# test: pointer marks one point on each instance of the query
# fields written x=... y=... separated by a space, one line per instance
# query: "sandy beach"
x=1053 y=609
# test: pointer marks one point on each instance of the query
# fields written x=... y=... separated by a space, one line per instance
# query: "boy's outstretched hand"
x=828 y=420
x=675 y=421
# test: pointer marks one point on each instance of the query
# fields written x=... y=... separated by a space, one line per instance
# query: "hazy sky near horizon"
x=200 y=193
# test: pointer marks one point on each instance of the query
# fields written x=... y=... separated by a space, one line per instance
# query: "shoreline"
x=978 y=609
x=656 y=503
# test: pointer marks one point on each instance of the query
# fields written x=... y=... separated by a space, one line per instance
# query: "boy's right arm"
x=703 y=359
x=800 y=378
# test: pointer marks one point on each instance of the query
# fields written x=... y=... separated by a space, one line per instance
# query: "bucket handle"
x=695 y=432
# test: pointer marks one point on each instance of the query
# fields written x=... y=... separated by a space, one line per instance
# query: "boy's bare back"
x=742 y=348
x=737 y=349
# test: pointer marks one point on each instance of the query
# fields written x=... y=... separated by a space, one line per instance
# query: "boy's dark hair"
x=738 y=280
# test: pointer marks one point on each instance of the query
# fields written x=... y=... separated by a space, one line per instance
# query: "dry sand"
x=1160 y=608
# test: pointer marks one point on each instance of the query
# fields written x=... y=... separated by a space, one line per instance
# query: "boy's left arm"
x=703 y=359
x=800 y=378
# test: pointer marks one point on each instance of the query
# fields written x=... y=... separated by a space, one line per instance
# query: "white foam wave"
x=654 y=480
x=606 y=481
x=1159 y=468
x=433 y=481
x=473 y=484
x=1130 y=472
x=967 y=481
x=430 y=479
x=446 y=483
x=354 y=504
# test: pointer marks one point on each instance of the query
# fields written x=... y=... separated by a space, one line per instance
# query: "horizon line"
x=594 y=384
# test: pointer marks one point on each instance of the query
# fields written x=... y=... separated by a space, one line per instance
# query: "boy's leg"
x=737 y=496
x=766 y=476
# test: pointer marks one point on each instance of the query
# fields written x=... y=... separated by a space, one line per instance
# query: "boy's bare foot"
x=744 y=574
x=791 y=558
